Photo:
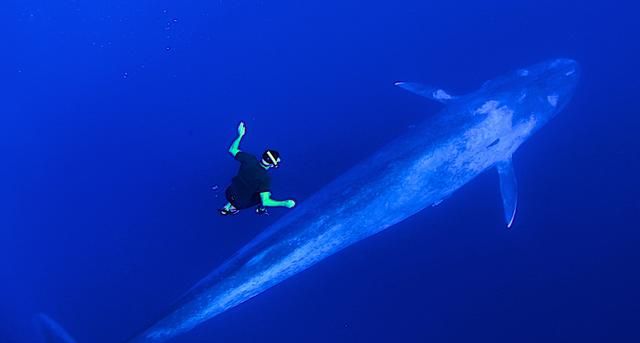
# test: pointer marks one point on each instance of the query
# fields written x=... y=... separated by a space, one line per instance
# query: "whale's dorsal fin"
x=433 y=93
x=509 y=190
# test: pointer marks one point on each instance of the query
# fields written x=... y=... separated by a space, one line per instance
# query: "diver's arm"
x=268 y=202
x=234 y=149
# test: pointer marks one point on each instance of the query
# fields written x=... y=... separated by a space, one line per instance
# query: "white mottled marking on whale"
x=441 y=95
x=497 y=124
x=523 y=72
x=487 y=107
x=553 y=100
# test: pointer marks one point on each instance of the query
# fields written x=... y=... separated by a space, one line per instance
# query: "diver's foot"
x=228 y=211
x=262 y=211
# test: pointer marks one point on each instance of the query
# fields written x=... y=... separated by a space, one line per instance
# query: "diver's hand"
x=289 y=204
x=242 y=130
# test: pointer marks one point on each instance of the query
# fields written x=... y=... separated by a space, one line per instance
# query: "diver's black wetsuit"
x=251 y=180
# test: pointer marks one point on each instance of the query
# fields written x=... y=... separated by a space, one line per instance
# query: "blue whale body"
x=473 y=133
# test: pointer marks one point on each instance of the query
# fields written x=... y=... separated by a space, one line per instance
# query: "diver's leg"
x=228 y=209
x=257 y=202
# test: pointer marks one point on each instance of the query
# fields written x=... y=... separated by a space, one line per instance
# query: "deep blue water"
x=116 y=123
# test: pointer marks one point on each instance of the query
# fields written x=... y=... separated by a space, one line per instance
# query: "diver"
x=252 y=185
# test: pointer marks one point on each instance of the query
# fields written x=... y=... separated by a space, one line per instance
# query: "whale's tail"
x=51 y=331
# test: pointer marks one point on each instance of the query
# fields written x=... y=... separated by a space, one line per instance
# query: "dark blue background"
x=116 y=120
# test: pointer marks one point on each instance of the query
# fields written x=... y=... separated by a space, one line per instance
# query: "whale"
x=470 y=135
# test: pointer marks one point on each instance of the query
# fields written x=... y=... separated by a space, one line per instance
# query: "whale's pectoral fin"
x=509 y=190
x=426 y=91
